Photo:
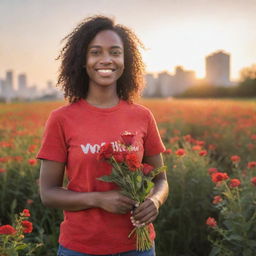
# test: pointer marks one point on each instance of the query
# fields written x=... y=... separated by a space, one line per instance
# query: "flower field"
x=211 y=160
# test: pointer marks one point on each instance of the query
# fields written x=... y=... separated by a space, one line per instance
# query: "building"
x=167 y=85
x=151 y=85
x=165 y=81
x=218 y=69
x=22 y=86
x=8 y=88
x=182 y=80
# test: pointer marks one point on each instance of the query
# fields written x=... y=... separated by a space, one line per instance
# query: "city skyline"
x=222 y=72
x=175 y=32
x=163 y=84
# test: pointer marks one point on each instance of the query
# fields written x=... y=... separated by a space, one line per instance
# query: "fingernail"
x=137 y=222
x=137 y=205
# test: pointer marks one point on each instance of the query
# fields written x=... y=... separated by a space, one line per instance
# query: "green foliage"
x=181 y=223
x=236 y=230
x=11 y=243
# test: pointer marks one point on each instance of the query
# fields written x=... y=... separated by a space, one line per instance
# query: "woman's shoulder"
x=64 y=110
x=139 y=108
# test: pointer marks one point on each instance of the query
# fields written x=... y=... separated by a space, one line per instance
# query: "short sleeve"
x=153 y=144
x=53 y=145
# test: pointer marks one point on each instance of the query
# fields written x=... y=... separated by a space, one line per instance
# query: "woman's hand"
x=146 y=212
x=114 y=201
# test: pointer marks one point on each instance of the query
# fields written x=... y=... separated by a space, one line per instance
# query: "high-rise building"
x=22 y=86
x=22 y=82
x=218 y=69
x=9 y=89
x=151 y=85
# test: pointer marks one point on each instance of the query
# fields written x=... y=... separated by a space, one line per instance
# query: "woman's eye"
x=95 y=52
x=116 y=52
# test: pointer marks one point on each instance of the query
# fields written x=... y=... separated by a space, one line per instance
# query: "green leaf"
x=252 y=243
x=215 y=251
x=21 y=247
x=139 y=179
x=157 y=171
x=147 y=186
x=106 y=178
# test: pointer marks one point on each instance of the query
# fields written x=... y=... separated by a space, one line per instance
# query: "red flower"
x=119 y=156
x=132 y=161
x=196 y=147
x=26 y=213
x=219 y=176
x=4 y=159
x=17 y=158
x=212 y=170
x=253 y=136
x=2 y=170
x=203 y=153
x=167 y=151
x=235 y=159
x=173 y=139
x=253 y=181
x=251 y=164
x=30 y=201
x=27 y=226
x=128 y=138
x=217 y=199
x=32 y=161
x=211 y=222
x=147 y=168
x=212 y=147
x=180 y=152
x=187 y=138
x=200 y=142
x=7 y=230
x=106 y=151
x=32 y=148
x=234 y=183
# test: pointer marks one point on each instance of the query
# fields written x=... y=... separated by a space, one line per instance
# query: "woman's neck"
x=106 y=97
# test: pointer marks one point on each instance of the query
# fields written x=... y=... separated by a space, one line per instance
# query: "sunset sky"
x=175 y=32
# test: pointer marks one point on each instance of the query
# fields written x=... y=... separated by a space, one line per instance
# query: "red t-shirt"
x=73 y=135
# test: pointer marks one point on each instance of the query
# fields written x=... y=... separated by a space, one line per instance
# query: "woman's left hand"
x=145 y=213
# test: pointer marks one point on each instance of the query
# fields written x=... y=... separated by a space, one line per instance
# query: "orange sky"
x=176 y=32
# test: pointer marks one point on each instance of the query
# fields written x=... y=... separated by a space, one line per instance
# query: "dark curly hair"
x=72 y=75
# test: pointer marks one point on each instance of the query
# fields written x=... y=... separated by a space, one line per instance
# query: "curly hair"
x=73 y=77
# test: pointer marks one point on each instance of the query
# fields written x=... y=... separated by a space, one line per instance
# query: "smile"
x=105 y=71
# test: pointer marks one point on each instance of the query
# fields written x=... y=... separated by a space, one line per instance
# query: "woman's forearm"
x=68 y=200
x=160 y=191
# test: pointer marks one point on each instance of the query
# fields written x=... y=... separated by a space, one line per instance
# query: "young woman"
x=101 y=73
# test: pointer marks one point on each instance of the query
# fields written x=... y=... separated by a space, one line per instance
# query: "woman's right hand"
x=114 y=201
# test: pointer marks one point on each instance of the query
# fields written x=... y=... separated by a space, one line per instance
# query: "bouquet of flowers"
x=133 y=177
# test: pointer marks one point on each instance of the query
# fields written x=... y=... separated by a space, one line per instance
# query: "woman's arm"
x=54 y=195
x=148 y=210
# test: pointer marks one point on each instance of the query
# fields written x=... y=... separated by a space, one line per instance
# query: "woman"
x=101 y=73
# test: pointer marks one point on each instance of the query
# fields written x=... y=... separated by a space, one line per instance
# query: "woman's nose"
x=106 y=59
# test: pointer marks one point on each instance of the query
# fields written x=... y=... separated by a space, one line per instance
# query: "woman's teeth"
x=106 y=71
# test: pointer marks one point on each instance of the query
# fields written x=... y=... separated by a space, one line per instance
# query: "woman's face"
x=105 y=59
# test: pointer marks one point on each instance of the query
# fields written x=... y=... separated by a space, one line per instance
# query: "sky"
x=174 y=32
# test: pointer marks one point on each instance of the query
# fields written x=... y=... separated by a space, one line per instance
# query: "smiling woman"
x=105 y=60
x=84 y=45
x=101 y=73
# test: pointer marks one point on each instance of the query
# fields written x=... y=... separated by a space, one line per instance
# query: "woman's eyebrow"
x=98 y=46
